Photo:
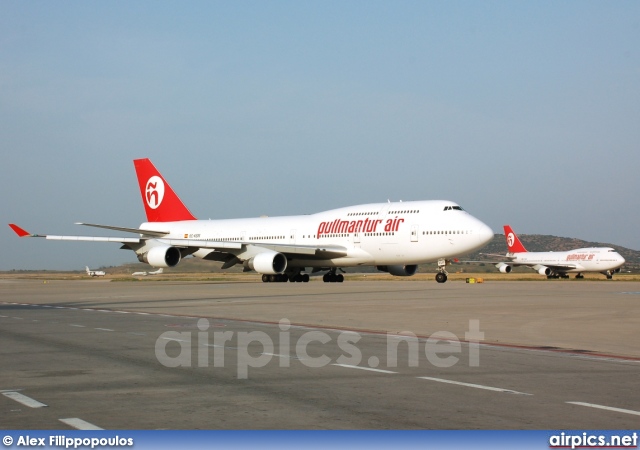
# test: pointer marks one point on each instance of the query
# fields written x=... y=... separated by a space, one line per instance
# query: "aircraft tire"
x=441 y=277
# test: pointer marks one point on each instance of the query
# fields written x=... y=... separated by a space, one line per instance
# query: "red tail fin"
x=160 y=202
x=513 y=243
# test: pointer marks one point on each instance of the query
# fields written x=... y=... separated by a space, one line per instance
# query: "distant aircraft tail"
x=513 y=243
x=87 y=268
x=160 y=202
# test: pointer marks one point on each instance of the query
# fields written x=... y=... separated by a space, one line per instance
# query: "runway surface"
x=360 y=355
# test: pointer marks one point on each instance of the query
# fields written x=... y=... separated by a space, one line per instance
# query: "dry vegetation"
x=210 y=277
x=192 y=269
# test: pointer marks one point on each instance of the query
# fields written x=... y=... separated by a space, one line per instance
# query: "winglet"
x=19 y=231
x=513 y=243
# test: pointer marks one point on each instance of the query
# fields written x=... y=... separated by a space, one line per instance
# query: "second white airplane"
x=395 y=236
x=558 y=264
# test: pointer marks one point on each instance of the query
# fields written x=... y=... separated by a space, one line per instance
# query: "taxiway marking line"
x=471 y=385
x=27 y=401
x=371 y=369
x=80 y=424
x=608 y=408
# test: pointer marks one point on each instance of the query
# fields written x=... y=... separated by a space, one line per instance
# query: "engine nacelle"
x=163 y=256
x=504 y=267
x=269 y=263
x=542 y=270
x=399 y=271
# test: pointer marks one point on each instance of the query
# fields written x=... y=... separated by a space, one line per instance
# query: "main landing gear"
x=283 y=278
x=332 y=277
x=441 y=276
x=556 y=275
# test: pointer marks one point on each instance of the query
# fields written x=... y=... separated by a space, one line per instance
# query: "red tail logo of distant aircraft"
x=154 y=192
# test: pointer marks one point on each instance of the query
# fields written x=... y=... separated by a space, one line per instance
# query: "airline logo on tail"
x=513 y=243
x=160 y=201
x=154 y=191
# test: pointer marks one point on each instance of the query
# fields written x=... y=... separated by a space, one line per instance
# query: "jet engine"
x=542 y=270
x=399 y=271
x=162 y=256
x=269 y=263
x=503 y=267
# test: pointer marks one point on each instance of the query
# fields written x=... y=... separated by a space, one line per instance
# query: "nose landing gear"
x=441 y=276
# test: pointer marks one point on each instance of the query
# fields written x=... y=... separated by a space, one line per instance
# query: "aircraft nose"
x=485 y=234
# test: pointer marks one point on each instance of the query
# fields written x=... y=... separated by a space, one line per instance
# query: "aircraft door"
x=414 y=233
x=292 y=237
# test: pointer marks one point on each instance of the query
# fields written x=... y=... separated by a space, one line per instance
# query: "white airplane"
x=395 y=236
x=144 y=274
x=558 y=264
x=94 y=273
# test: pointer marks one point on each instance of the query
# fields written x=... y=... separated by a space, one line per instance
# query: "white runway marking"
x=371 y=369
x=477 y=386
x=177 y=340
x=282 y=356
x=104 y=329
x=608 y=408
x=77 y=326
x=27 y=401
x=80 y=424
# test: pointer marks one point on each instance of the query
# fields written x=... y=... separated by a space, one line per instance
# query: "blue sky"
x=525 y=113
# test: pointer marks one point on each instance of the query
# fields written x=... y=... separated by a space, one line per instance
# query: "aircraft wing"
x=319 y=252
x=496 y=255
x=556 y=267
x=126 y=230
x=24 y=233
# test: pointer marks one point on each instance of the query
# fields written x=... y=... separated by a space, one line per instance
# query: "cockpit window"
x=450 y=208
